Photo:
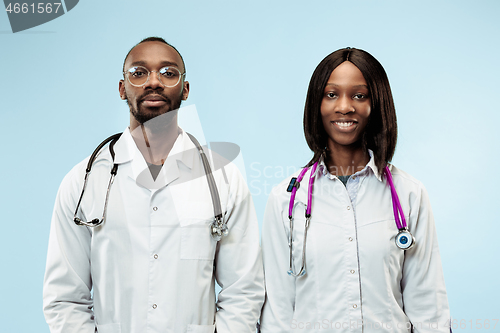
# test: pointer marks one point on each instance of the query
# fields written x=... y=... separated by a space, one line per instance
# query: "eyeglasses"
x=138 y=76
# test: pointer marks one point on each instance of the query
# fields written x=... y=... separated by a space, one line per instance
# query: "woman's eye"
x=331 y=95
x=360 y=96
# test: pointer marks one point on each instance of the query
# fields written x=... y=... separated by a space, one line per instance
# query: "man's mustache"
x=148 y=93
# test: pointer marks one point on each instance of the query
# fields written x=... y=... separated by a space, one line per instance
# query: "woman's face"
x=345 y=107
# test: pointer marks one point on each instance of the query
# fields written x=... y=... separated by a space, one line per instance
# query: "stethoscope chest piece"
x=404 y=239
x=218 y=229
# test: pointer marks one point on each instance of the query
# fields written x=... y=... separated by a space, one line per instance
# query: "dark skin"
x=154 y=99
x=345 y=110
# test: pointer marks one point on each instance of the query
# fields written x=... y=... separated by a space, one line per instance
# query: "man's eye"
x=138 y=73
x=169 y=72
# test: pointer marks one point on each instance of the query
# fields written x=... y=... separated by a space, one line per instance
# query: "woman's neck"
x=346 y=160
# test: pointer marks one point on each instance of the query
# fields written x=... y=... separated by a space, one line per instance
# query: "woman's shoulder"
x=405 y=181
x=283 y=189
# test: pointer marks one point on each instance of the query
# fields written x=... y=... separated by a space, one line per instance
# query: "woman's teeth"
x=344 y=123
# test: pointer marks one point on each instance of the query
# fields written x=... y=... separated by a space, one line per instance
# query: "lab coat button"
x=348 y=207
x=350 y=239
x=355 y=306
x=353 y=271
x=155 y=256
x=154 y=306
x=155 y=208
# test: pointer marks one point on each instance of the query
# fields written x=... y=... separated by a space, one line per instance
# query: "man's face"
x=153 y=98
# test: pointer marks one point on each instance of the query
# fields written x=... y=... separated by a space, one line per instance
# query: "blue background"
x=249 y=64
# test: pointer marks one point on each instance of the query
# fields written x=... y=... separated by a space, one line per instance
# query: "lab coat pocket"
x=197 y=243
x=109 y=328
x=201 y=328
x=194 y=212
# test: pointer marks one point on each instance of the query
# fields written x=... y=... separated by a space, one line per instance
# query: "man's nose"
x=154 y=81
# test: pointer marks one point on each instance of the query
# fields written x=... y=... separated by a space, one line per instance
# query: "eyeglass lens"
x=168 y=76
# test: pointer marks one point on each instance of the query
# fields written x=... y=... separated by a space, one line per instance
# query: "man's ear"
x=121 y=89
x=185 y=90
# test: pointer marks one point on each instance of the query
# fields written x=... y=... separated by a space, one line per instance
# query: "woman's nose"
x=344 y=105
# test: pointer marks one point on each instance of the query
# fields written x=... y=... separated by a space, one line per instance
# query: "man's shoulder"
x=77 y=173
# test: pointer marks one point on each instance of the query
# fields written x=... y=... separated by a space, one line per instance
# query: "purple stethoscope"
x=404 y=239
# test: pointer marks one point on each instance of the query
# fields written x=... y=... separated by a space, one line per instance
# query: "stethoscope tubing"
x=396 y=205
x=310 y=190
x=294 y=191
x=302 y=270
x=96 y=222
x=218 y=228
x=404 y=239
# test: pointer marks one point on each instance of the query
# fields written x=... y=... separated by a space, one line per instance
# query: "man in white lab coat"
x=152 y=265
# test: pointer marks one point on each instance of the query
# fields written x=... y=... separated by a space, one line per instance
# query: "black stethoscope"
x=218 y=227
x=404 y=239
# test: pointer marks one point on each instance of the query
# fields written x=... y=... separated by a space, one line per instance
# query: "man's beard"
x=142 y=114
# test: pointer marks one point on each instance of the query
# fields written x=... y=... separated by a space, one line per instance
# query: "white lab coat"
x=357 y=279
x=152 y=265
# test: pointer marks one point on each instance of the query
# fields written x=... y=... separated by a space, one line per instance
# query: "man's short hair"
x=154 y=39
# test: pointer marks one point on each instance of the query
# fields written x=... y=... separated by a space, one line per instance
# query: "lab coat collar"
x=183 y=151
x=371 y=164
x=370 y=167
x=124 y=147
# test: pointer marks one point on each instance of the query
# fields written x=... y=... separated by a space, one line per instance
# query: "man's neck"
x=155 y=143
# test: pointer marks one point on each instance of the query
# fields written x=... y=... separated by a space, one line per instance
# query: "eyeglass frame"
x=157 y=75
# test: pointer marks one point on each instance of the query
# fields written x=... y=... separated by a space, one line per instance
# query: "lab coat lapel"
x=190 y=192
x=124 y=148
x=183 y=151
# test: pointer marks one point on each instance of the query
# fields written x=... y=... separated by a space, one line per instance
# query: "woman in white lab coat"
x=351 y=277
